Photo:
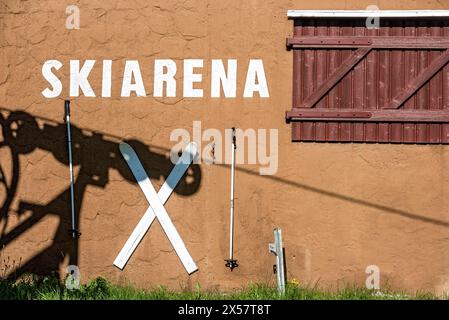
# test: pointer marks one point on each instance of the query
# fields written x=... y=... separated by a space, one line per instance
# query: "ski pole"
x=73 y=230
x=231 y=262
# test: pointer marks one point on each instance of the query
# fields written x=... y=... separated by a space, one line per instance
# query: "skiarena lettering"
x=223 y=79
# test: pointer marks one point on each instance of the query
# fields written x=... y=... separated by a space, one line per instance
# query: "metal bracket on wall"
x=277 y=249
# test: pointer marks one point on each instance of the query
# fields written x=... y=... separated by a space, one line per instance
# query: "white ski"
x=156 y=208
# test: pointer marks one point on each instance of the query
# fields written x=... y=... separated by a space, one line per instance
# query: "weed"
x=31 y=287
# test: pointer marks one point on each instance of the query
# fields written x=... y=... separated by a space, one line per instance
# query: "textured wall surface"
x=341 y=207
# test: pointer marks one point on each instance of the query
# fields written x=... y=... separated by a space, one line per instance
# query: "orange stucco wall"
x=341 y=207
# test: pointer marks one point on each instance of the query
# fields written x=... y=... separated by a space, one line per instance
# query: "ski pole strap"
x=75 y=233
x=66 y=109
x=231 y=263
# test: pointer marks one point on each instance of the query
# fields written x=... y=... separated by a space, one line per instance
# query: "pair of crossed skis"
x=156 y=207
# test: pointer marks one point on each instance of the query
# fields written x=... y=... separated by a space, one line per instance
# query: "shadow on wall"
x=94 y=153
x=382 y=208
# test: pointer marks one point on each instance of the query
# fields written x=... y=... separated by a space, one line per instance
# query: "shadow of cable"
x=94 y=153
x=335 y=195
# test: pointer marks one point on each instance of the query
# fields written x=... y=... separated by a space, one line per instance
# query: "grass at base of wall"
x=100 y=289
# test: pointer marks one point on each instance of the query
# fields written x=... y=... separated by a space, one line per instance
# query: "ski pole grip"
x=233 y=137
x=66 y=108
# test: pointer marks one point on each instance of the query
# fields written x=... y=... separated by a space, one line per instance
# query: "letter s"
x=51 y=78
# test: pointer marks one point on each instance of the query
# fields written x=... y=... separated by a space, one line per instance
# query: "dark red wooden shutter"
x=354 y=84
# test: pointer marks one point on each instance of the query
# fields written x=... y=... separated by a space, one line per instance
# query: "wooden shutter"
x=354 y=84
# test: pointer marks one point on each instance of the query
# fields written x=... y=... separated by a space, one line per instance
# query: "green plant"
x=31 y=287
